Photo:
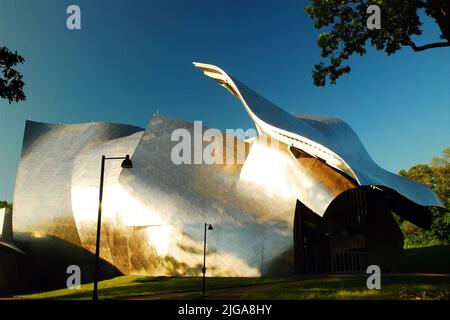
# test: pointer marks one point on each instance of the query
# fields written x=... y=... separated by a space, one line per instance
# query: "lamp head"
x=210 y=227
x=127 y=163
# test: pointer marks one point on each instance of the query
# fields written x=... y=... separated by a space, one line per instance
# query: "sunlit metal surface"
x=326 y=138
x=171 y=203
x=2 y=217
x=154 y=213
x=49 y=168
x=6 y=232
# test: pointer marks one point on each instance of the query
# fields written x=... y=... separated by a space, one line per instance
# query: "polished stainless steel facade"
x=53 y=158
x=153 y=214
x=326 y=138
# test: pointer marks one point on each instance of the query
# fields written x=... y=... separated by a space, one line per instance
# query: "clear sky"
x=132 y=58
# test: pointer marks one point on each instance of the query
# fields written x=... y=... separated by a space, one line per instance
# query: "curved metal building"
x=307 y=196
x=329 y=139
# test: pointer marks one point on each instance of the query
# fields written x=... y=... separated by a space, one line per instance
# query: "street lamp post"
x=126 y=164
x=204 y=257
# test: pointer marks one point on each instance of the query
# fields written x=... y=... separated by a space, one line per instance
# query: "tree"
x=347 y=33
x=5 y=204
x=11 y=84
x=436 y=176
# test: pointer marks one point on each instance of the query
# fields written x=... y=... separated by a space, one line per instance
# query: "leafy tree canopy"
x=5 y=204
x=11 y=84
x=435 y=175
x=347 y=32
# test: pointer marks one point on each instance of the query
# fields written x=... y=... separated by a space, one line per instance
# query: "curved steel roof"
x=326 y=138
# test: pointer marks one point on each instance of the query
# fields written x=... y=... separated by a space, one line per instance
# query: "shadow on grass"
x=434 y=259
x=393 y=287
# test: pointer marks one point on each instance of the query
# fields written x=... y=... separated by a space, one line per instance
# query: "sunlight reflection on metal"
x=151 y=213
x=326 y=138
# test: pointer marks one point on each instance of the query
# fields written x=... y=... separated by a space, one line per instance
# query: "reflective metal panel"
x=154 y=213
x=326 y=138
x=43 y=192
x=170 y=203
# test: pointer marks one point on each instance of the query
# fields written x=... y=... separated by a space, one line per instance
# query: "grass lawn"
x=429 y=259
x=133 y=286
x=293 y=288
x=393 y=287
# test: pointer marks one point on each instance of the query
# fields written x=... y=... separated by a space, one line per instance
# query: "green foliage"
x=5 y=204
x=347 y=33
x=11 y=84
x=435 y=175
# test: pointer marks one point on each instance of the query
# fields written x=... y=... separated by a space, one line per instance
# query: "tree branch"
x=427 y=46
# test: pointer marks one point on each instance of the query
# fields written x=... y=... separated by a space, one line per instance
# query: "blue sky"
x=133 y=58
